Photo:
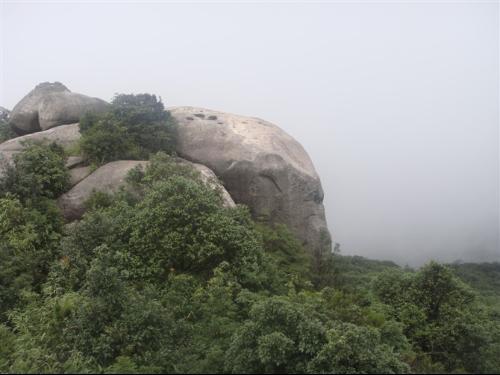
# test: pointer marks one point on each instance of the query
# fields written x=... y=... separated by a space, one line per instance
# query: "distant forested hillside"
x=484 y=277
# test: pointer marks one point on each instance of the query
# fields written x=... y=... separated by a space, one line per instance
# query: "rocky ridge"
x=251 y=161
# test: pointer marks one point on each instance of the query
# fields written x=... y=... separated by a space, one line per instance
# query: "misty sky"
x=396 y=103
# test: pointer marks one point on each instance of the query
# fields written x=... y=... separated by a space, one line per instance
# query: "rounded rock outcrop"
x=108 y=179
x=112 y=176
x=49 y=105
x=260 y=165
x=65 y=136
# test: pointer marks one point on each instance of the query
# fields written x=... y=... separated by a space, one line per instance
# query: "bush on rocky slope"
x=133 y=127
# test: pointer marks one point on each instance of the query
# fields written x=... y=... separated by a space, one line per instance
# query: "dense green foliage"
x=29 y=243
x=482 y=276
x=440 y=317
x=161 y=278
x=134 y=127
x=30 y=223
x=38 y=172
x=6 y=131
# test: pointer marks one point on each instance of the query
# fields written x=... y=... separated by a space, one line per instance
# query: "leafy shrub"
x=288 y=252
x=6 y=131
x=279 y=337
x=30 y=223
x=148 y=123
x=288 y=335
x=440 y=315
x=37 y=171
x=161 y=278
x=98 y=199
x=353 y=349
x=29 y=239
x=162 y=166
x=134 y=127
x=106 y=141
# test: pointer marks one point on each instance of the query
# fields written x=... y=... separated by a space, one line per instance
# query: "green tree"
x=440 y=314
x=352 y=349
x=29 y=239
x=150 y=126
x=279 y=337
x=200 y=232
x=106 y=141
x=38 y=171
x=6 y=132
x=134 y=127
x=289 y=254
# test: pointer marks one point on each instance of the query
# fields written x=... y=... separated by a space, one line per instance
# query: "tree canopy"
x=160 y=277
x=134 y=127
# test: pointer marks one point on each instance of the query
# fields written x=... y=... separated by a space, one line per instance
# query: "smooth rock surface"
x=49 y=105
x=78 y=174
x=260 y=165
x=65 y=136
x=111 y=177
x=74 y=161
x=108 y=179
x=209 y=177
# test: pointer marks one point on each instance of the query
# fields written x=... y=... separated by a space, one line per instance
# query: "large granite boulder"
x=111 y=177
x=66 y=136
x=49 y=105
x=209 y=177
x=260 y=165
x=77 y=174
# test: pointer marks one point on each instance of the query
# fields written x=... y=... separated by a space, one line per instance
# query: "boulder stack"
x=252 y=161
x=49 y=105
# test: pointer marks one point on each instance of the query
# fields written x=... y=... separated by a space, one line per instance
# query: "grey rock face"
x=110 y=178
x=49 y=105
x=66 y=108
x=260 y=166
x=74 y=161
x=209 y=177
x=78 y=174
x=65 y=136
x=258 y=163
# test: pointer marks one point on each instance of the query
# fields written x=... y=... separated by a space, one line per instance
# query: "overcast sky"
x=396 y=103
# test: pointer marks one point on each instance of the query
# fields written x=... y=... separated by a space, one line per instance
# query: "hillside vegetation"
x=162 y=278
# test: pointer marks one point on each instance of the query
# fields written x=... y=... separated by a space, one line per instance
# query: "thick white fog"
x=396 y=103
